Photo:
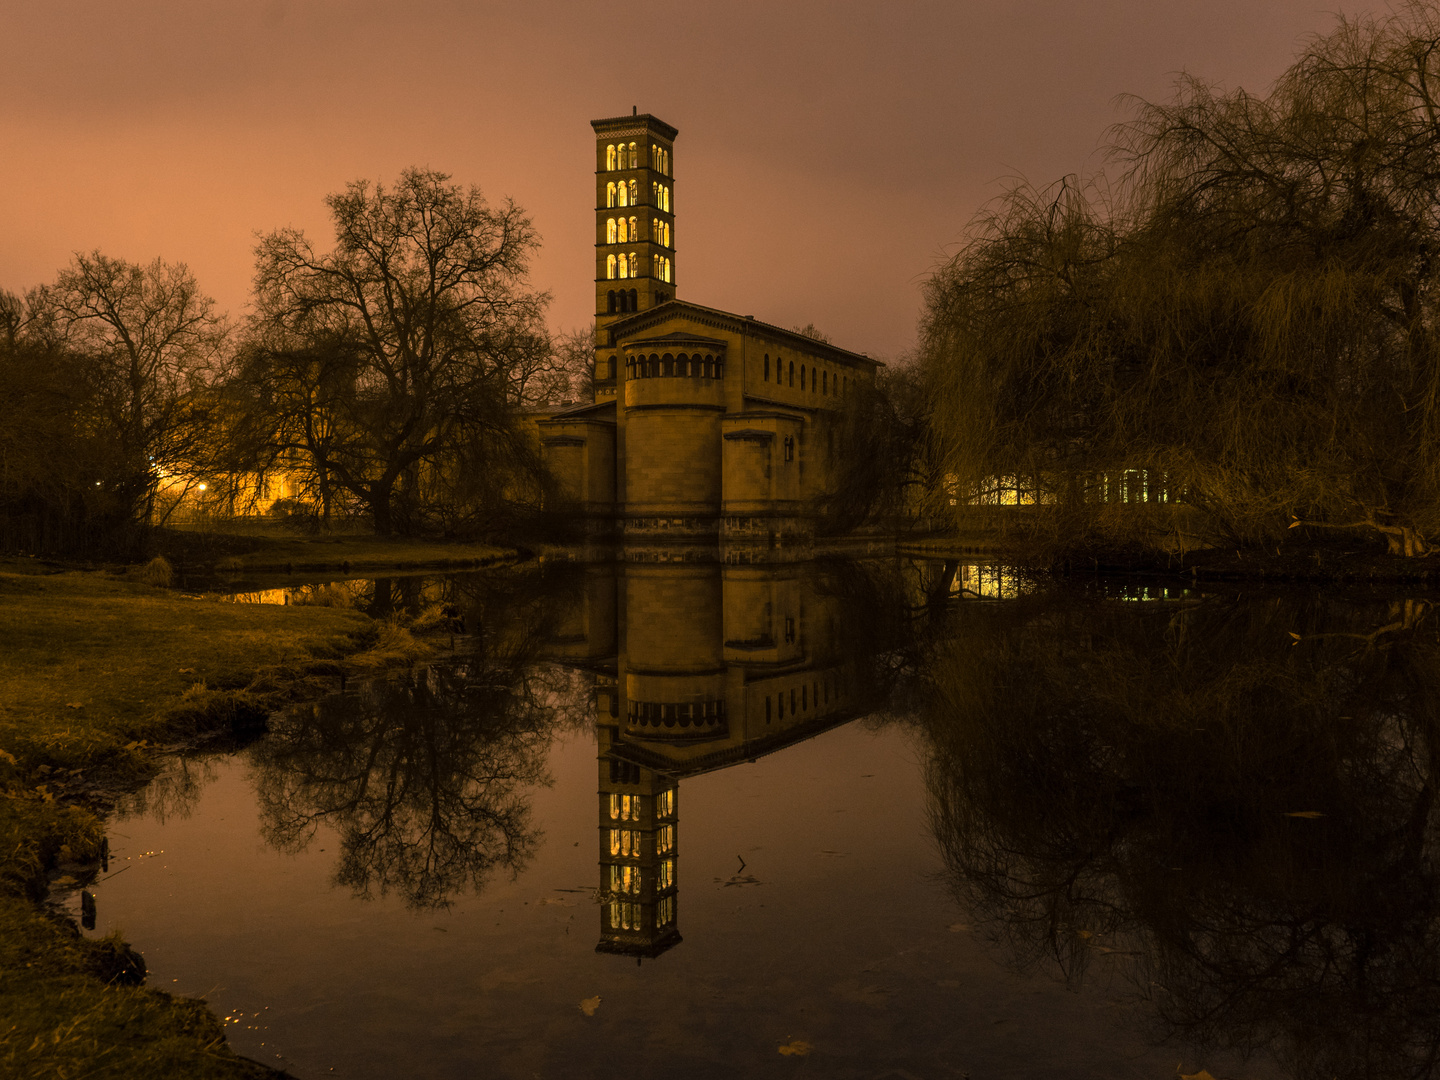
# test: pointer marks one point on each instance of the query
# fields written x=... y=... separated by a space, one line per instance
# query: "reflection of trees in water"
x=173 y=793
x=1123 y=779
x=425 y=776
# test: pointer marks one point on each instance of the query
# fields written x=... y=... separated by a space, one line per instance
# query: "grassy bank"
x=240 y=547
x=96 y=676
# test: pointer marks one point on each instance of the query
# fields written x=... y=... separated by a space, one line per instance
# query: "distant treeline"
x=386 y=380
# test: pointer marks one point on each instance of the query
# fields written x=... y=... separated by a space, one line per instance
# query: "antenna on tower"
x=634 y=110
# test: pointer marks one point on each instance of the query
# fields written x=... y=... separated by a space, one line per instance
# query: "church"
x=705 y=425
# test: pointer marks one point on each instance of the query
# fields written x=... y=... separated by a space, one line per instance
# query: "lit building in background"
x=704 y=423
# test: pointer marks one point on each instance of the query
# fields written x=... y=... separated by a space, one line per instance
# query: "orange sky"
x=829 y=153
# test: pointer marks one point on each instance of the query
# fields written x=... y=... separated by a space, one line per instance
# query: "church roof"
x=597 y=410
x=678 y=338
x=631 y=327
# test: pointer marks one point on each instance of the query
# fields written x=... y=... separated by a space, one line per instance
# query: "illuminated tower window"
x=610 y=158
x=624 y=192
x=610 y=194
x=610 y=231
x=610 y=266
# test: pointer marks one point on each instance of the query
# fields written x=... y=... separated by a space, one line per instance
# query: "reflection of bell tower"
x=638 y=856
x=634 y=220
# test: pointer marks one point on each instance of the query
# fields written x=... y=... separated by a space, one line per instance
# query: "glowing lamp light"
x=202 y=487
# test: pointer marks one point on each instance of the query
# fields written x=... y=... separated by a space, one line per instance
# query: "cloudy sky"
x=830 y=153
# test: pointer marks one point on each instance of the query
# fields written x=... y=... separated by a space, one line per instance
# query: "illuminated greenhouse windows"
x=665 y=803
x=626 y=842
x=665 y=839
x=666 y=876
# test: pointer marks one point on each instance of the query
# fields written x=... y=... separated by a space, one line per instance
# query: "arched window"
x=667 y=364
x=825 y=382
x=634 y=157
x=610 y=158
x=623 y=193
x=611 y=306
x=792 y=379
x=634 y=229
x=609 y=266
x=665 y=162
x=667 y=235
x=610 y=368
x=802 y=376
x=633 y=262
x=624 y=266
x=655 y=266
x=767 y=355
x=667 y=270
x=844 y=386
x=610 y=194
x=654 y=364
x=655 y=192
x=610 y=230
x=634 y=299
x=665 y=193
x=634 y=198
x=622 y=232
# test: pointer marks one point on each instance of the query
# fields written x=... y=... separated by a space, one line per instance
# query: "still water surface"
x=856 y=820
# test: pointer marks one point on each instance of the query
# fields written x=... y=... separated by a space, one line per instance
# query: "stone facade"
x=704 y=424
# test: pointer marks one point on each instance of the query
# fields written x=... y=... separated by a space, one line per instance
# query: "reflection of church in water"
x=697 y=667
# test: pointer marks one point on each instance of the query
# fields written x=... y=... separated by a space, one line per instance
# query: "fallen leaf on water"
x=956 y=927
x=1305 y=813
x=589 y=1005
x=1201 y=1075
x=798 y=1048
x=187 y=671
x=74 y=705
x=1085 y=934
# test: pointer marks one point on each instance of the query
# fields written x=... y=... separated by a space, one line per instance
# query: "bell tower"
x=634 y=217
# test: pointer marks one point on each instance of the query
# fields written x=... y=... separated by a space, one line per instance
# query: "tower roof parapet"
x=635 y=124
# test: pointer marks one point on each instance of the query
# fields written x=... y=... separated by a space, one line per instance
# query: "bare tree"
x=399 y=357
x=150 y=341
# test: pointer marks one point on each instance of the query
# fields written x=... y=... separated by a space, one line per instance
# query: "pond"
x=893 y=818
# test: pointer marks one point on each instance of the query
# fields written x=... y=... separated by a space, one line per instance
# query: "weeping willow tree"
x=1237 y=332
